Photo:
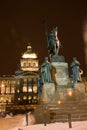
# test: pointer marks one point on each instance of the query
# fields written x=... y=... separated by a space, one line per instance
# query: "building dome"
x=29 y=53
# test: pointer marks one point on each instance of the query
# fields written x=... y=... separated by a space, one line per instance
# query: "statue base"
x=65 y=95
x=48 y=92
x=79 y=91
x=61 y=89
x=62 y=93
x=57 y=58
x=61 y=73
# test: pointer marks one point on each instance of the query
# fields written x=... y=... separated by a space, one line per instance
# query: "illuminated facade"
x=22 y=88
x=26 y=91
x=29 y=61
x=7 y=89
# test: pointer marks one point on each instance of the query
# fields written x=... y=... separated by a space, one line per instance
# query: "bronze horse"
x=53 y=43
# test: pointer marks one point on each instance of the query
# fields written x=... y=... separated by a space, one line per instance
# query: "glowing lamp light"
x=35 y=97
x=35 y=89
x=24 y=97
x=70 y=93
x=30 y=89
x=24 y=88
x=18 y=91
x=18 y=99
x=59 y=102
x=2 y=85
x=29 y=97
x=2 y=98
x=2 y=88
x=29 y=101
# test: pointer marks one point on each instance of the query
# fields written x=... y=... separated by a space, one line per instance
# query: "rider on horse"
x=53 y=43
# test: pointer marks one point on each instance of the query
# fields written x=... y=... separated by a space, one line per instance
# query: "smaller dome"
x=29 y=53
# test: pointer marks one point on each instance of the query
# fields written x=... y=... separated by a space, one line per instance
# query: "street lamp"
x=70 y=93
x=59 y=102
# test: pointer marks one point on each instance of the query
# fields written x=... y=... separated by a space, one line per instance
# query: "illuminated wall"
x=27 y=89
x=29 y=64
x=7 y=89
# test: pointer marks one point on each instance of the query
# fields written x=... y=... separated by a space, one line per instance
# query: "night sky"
x=20 y=23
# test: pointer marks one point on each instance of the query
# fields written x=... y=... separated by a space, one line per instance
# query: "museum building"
x=22 y=88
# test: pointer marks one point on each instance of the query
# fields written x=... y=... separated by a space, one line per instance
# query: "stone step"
x=64 y=118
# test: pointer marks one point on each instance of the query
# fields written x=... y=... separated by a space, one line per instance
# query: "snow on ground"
x=57 y=126
x=10 y=123
x=19 y=121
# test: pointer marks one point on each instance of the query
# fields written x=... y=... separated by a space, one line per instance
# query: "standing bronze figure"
x=53 y=43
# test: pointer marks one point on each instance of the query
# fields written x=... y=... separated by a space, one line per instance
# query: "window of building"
x=8 y=81
x=1 y=99
x=34 y=65
x=37 y=64
x=29 y=97
x=29 y=64
x=14 y=81
x=35 y=80
x=18 y=99
x=25 y=80
x=3 y=81
x=18 y=82
x=29 y=89
x=35 y=89
x=34 y=97
x=30 y=80
x=24 y=97
x=2 y=88
x=9 y=100
x=24 y=88
x=8 y=89
x=29 y=101
x=12 y=89
x=24 y=65
x=18 y=91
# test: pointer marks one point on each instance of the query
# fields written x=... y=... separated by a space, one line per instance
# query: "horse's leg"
x=55 y=49
x=58 y=50
x=58 y=47
x=50 y=56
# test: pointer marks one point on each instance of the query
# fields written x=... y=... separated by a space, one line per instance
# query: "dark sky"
x=20 y=23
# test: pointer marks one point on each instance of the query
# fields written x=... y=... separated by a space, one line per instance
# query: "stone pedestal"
x=57 y=58
x=61 y=88
x=79 y=91
x=61 y=75
x=48 y=92
x=64 y=95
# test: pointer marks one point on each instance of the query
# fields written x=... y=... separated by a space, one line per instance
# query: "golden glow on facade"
x=24 y=97
x=29 y=53
x=29 y=97
x=7 y=89
x=29 y=89
x=35 y=97
x=35 y=89
x=22 y=88
x=32 y=56
x=25 y=88
x=29 y=61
